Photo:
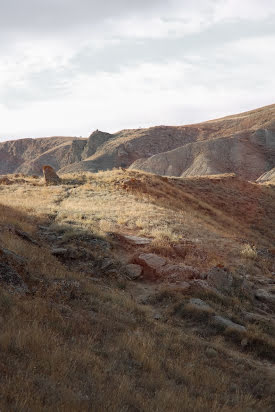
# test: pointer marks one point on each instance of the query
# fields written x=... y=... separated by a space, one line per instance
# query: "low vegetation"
x=80 y=338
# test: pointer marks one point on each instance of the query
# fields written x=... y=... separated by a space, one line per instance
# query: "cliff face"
x=242 y=143
x=29 y=155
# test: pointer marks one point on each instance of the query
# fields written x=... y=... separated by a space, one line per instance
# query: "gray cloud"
x=41 y=15
x=56 y=52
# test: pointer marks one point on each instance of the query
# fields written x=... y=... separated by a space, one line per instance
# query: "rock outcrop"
x=51 y=178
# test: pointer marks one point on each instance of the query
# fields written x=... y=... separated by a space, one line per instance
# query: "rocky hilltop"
x=243 y=144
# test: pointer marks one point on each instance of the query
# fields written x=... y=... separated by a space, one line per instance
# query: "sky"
x=68 y=67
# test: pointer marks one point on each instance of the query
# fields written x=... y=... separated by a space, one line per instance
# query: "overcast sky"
x=68 y=67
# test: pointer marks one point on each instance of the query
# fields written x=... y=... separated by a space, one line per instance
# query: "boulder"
x=133 y=271
x=151 y=263
x=50 y=176
x=220 y=278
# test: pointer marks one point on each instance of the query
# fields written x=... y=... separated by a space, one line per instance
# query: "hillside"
x=241 y=144
x=248 y=154
x=128 y=291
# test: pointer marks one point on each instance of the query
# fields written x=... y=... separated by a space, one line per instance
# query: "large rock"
x=220 y=278
x=151 y=263
x=51 y=178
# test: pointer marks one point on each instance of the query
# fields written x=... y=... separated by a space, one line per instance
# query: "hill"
x=156 y=289
x=241 y=144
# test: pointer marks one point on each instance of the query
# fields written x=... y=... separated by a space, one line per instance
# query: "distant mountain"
x=242 y=143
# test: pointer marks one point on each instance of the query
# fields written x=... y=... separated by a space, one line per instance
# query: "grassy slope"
x=86 y=345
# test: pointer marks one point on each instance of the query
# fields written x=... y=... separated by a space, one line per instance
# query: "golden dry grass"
x=85 y=345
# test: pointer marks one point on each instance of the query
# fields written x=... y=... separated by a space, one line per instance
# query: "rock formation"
x=51 y=178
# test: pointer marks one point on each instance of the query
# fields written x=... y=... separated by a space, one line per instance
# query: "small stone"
x=200 y=285
x=179 y=286
x=244 y=342
x=199 y=303
x=136 y=240
x=59 y=251
x=225 y=323
x=133 y=271
x=264 y=296
x=211 y=352
x=182 y=271
x=106 y=264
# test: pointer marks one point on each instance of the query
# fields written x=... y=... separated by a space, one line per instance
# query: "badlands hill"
x=243 y=144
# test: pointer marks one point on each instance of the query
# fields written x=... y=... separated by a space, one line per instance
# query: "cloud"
x=70 y=66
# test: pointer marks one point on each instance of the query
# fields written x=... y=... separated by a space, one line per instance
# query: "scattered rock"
x=9 y=255
x=199 y=303
x=220 y=278
x=106 y=264
x=133 y=271
x=200 y=285
x=179 y=286
x=51 y=178
x=244 y=342
x=225 y=323
x=151 y=263
x=211 y=352
x=247 y=288
x=59 y=251
x=136 y=240
x=264 y=296
x=25 y=236
x=181 y=271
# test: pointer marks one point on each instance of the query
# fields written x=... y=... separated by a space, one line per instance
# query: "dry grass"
x=73 y=344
